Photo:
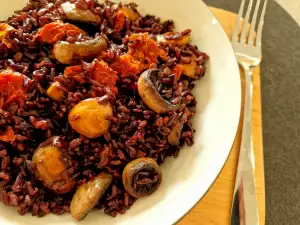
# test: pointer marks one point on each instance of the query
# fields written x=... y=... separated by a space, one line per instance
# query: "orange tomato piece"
x=15 y=96
x=9 y=76
x=75 y=72
x=105 y=75
x=125 y=65
x=8 y=135
x=11 y=87
x=56 y=31
x=72 y=71
x=119 y=20
x=145 y=49
x=101 y=73
x=178 y=71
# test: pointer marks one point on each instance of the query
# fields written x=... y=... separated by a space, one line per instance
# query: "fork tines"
x=241 y=33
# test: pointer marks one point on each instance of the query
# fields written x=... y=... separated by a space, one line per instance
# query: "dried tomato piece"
x=145 y=49
x=178 y=71
x=73 y=28
x=101 y=73
x=5 y=31
x=119 y=20
x=76 y=73
x=105 y=75
x=11 y=88
x=16 y=96
x=51 y=32
x=126 y=66
x=8 y=135
x=71 y=71
x=9 y=76
x=57 y=31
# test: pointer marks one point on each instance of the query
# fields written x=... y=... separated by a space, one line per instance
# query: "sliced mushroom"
x=51 y=169
x=88 y=117
x=180 y=41
x=175 y=134
x=81 y=15
x=141 y=177
x=88 y=194
x=55 y=92
x=190 y=69
x=69 y=53
x=5 y=31
x=150 y=95
x=130 y=13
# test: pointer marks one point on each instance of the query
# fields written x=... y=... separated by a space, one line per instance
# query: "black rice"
x=136 y=131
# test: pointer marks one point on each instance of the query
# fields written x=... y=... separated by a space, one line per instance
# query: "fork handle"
x=244 y=206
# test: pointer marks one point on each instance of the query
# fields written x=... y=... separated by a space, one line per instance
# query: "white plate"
x=187 y=178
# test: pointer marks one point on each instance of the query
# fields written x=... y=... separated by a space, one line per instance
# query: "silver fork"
x=247 y=49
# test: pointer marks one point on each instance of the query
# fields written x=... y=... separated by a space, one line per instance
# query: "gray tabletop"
x=280 y=77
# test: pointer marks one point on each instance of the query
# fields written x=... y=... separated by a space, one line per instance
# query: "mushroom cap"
x=143 y=166
x=150 y=95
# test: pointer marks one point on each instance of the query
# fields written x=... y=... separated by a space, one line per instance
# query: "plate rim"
x=198 y=199
x=240 y=104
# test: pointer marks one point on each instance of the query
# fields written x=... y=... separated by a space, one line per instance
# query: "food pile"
x=93 y=97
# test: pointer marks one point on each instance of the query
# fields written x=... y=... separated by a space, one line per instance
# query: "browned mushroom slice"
x=88 y=117
x=191 y=68
x=69 y=53
x=150 y=95
x=55 y=92
x=130 y=13
x=175 y=134
x=88 y=194
x=174 y=38
x=81 y=15
x=51 y=169
x=141 y=177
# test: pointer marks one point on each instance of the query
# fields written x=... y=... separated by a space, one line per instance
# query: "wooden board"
x=215 y=207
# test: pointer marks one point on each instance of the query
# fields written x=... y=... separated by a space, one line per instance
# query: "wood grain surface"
x=215 y=207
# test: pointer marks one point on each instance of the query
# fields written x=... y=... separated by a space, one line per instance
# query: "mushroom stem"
x=175 y=134
x=88 y=194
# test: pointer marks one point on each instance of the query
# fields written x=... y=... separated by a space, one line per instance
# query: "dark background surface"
x=280 y=78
